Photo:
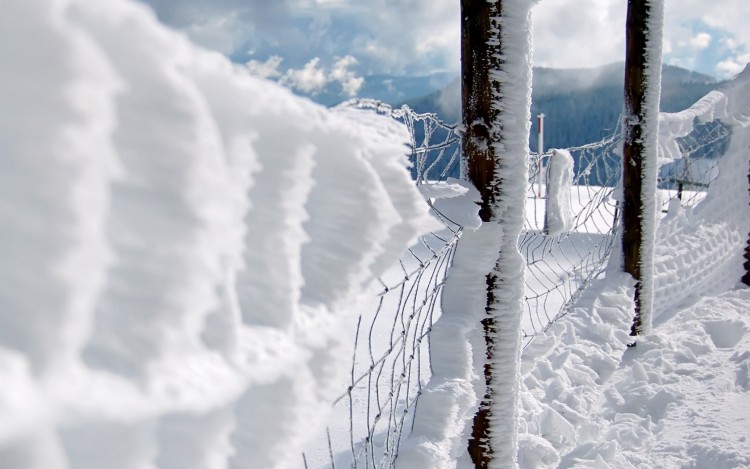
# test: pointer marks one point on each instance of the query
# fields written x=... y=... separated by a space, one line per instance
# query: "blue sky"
x=306 y=43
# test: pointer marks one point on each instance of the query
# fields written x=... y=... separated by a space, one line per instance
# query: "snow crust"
x=181 y=242
x=677 y=399
x=559 y=212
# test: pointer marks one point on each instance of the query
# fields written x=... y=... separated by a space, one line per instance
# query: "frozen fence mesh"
x=391 y=356
x=559 y=267
x=390 y=359
x=688 y=177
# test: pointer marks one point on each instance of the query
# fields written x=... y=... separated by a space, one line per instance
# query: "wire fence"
x=560 y=267
x=688 y=178
x=391 y=353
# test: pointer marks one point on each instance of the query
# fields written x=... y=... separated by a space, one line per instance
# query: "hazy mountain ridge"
x=392 y=89
x=580 y=105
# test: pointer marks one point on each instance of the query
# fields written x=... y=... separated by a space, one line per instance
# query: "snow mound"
x=180 y=245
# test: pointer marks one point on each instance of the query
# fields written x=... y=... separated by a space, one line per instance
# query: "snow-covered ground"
x=679 y=397
x=184 y=248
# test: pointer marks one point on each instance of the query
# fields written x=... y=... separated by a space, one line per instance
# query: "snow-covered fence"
x=377 y=409
x=700 y=244
x=181 y=246
x=688 y=177
x=391 y=356
x=560 y=265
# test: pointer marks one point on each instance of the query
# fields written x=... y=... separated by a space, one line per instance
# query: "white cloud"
x=422 y=36
x=579 y=33
x=309 y=79
x=700 y=41
x=732 y=66
x=313 y=77
x=267 y=69
x=350 y=82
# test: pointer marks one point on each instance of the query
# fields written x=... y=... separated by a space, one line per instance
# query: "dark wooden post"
x=642 y=87
x=746 y=277
x=477 y=59
x=497 y=155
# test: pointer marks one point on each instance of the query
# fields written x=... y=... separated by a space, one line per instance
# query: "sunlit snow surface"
x=180 y=246
x=679 y=398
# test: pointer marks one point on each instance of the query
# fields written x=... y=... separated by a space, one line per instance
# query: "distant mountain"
x=580 y=105
x=390 y=89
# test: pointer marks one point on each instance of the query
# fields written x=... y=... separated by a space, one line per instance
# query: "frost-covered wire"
x=559 y=268
x=390 y=360
x=391 y=355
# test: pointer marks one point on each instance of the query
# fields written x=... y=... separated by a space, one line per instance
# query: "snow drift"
x=180 y=242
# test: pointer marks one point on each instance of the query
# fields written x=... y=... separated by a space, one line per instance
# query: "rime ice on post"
x=640 y=139
x=496 y=80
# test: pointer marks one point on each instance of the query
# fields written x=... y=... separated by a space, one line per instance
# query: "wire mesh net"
x=390 y=362
x=688 y=177
x=559 y=267
x=391 y=353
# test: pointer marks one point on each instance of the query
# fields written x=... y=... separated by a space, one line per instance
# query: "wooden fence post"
x=639 y=161
x=746 y=277
x=496 y=113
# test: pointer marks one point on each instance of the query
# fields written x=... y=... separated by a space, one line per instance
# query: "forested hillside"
x=580 y=105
